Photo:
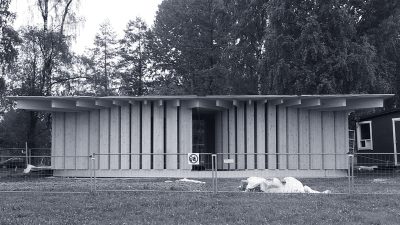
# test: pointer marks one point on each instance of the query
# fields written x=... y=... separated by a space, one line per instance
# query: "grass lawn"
x=197 y=208
x=363 y=184
x=161 y=202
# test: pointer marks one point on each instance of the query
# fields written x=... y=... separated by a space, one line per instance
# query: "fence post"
x=352 y=172
x=93 y=172
x=214 y=172
x=350 y=164
x=26 y=154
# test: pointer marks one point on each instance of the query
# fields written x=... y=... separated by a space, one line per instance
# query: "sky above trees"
x=94 y=13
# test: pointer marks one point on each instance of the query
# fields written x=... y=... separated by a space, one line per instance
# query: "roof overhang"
x=349 y=102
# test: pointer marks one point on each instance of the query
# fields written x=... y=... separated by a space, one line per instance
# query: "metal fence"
x=374 y=173
x=26 y=169
x=133 y=174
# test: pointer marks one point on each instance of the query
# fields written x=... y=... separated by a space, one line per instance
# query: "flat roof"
x=338 y=102
x=212 y=97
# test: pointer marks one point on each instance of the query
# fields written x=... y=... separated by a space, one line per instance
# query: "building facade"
x=150 y=136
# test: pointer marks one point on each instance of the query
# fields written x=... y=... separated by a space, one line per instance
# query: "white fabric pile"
x=29 y=168
x=274 y=185
x=190 y=181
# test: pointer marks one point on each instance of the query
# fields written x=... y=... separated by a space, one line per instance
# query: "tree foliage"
x=209 y=47
x=134 y=64
x=188 y=42
x=279 y=46
x=9 y=39
x=312 y=47
x=43 y=59
x=104 y=55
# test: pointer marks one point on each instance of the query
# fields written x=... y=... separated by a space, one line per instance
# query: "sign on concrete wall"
x=229 y=161
x=193 y=159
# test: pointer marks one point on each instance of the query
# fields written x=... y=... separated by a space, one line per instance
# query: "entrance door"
x=396 y=140
x=203 y=137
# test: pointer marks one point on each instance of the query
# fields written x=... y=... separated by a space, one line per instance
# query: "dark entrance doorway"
x=203 y=137
x=397 y=139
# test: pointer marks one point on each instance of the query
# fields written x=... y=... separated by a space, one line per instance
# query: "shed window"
x=364 y=135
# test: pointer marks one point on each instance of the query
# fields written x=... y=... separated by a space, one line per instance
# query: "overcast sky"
x=95 y=12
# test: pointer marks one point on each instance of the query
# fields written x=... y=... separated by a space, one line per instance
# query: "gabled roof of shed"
x=315 y=102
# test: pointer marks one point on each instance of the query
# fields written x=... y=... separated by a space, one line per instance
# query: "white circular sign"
x=193 y=159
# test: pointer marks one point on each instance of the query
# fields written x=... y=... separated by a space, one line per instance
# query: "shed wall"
x=382 y=141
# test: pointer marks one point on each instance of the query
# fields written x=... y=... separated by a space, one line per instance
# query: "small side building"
x=151 y=136
x=378 y=139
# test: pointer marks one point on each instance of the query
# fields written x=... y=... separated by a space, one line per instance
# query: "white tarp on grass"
x=190 y=181
x=30 y=168
x=274 y=185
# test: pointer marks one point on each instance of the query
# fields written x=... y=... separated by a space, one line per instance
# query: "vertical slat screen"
x=260 y=126
x=94 y=134
x=146 y=134
x=282 y=138
x=304 y=139
x=232 y=137
x=59 y=145
x=104 y=138
x=293 y=139
x=172 y=136
x=225 y=137
x=158 y=136
x=271 y=136
x=82 y=142
x=70 y=140
x=328 y=132
x=185 y=138
x=240 y=136
x=125 y=136
x=250 y=135
x=141 y=128
x=315 y=139
x=53 y=138
x=340 y=140
x=218 y=138
x=114 y=138
x=135 y=135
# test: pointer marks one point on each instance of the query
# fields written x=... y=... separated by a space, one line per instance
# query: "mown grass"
x=363 y=184
x=161 y=202
x=197 y=208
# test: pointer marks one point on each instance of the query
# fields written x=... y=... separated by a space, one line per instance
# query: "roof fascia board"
x=354 y=104
x=313 y=102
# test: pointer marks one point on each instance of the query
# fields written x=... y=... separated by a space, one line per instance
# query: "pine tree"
x=134 y=62
x=104 y=55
